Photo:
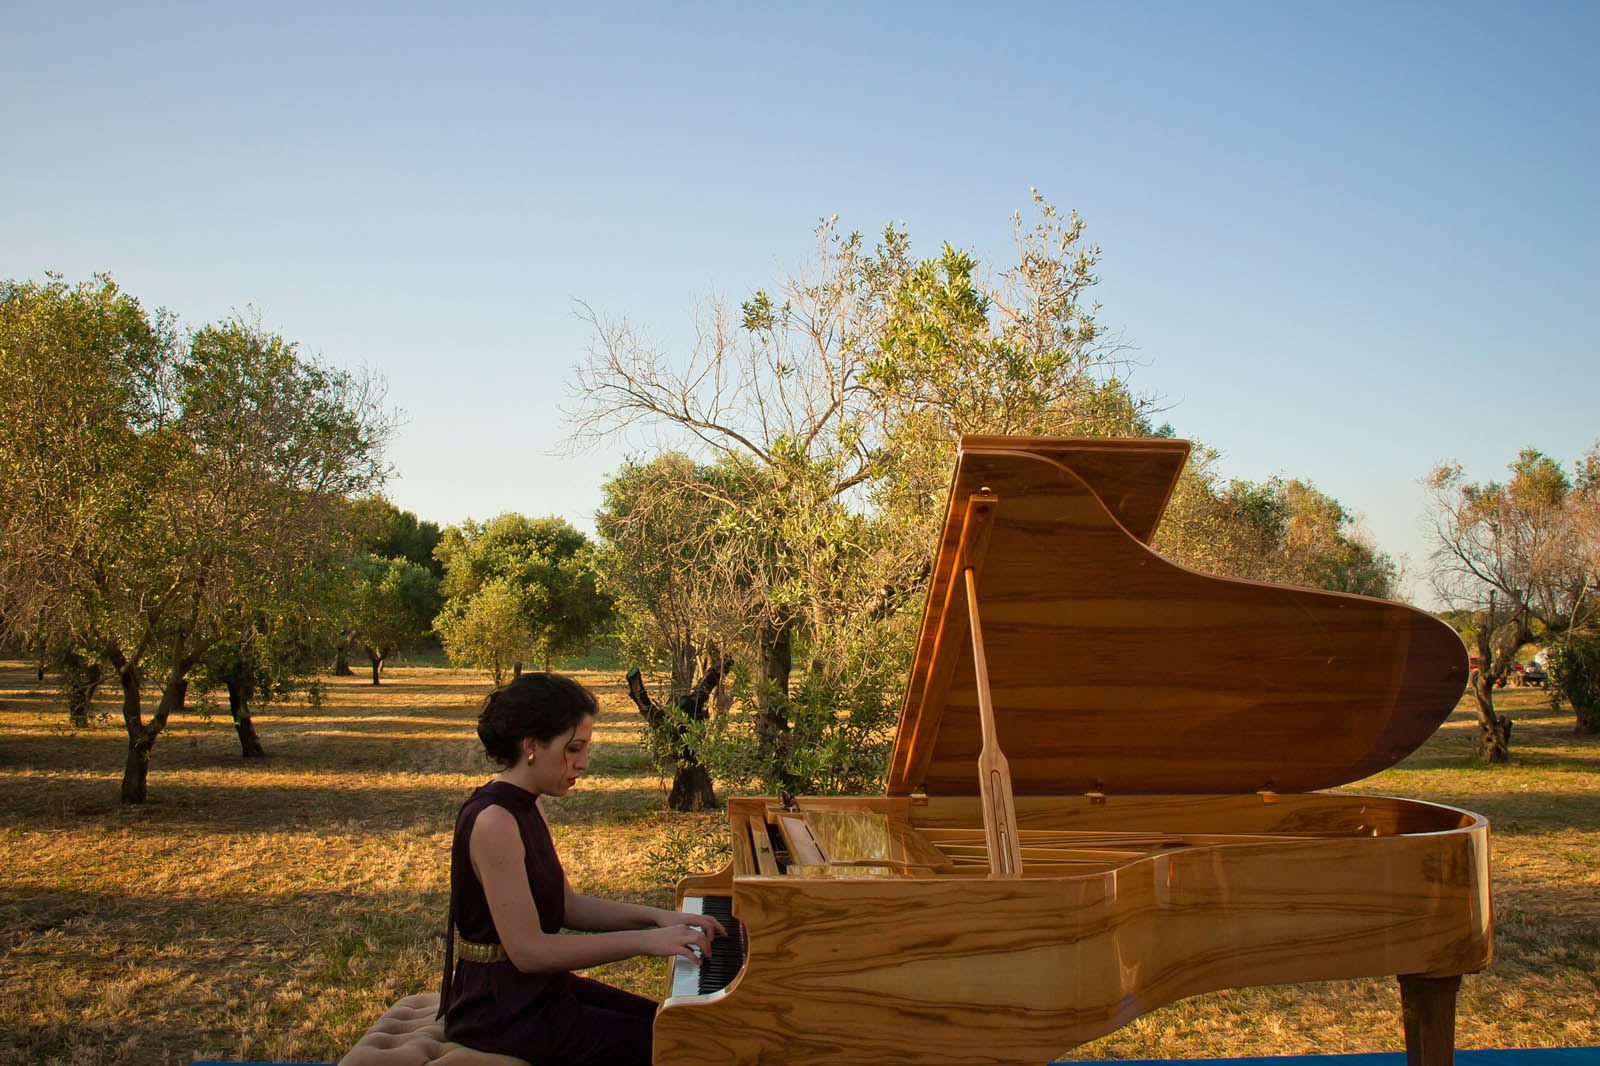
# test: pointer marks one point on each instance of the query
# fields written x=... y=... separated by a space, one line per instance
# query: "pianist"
x=508 y=985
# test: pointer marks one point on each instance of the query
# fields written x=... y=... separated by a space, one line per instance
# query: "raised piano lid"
x=1114 y=670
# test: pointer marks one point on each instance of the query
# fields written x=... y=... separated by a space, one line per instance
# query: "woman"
x=507 y=982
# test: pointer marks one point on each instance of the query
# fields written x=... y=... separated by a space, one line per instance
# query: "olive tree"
x=395 y=601
x=677 y=581
x=380 y=529
x=540 y=595
x=1520 y=559
x=490 y=630
x=157 y=489
x=1280 y=530
x=837 y=396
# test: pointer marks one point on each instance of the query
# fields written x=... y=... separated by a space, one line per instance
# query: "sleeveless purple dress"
x=539 y=1017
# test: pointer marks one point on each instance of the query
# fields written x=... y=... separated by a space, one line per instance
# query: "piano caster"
x=1428 y=1005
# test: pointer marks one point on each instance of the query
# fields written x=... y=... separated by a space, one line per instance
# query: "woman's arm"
x=596 y=914
x=498 y=859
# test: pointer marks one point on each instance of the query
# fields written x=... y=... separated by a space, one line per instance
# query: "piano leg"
x=1428 y=1005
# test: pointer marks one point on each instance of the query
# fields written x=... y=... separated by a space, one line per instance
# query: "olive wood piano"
x=1101 y=799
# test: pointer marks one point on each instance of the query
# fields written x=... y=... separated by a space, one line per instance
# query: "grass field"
x=272 y=909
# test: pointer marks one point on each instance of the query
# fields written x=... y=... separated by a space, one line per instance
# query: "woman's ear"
x=529 y=745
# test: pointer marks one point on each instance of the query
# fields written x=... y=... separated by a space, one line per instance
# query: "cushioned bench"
x=408 y=1034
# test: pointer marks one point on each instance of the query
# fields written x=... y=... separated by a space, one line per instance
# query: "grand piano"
x=1102 y=797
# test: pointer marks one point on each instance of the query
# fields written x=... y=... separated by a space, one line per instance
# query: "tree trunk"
x=136 y=770
x=78 y=701
x=137 y=767
x=691 y=789
x=691 y=782
x=142 y=735
x=239 y=707
x=772 y=700
x=1499 y=634
x=516 y=669
x=82 y=678
x=1588 y=716
x=1494 y=730
x=341 y=661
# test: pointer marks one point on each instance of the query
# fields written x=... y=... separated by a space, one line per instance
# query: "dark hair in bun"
x=541 y=706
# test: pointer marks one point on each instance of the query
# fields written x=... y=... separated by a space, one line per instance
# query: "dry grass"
x=272 y=909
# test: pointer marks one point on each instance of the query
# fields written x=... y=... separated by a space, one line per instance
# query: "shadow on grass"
x=227 y=809
x=1524 y=759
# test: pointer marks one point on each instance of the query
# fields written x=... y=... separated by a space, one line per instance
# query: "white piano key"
x=686 y=974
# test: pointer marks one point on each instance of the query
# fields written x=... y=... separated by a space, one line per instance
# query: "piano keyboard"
x=727 y=952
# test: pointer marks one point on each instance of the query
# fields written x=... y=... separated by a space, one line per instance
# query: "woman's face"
x=556 y=765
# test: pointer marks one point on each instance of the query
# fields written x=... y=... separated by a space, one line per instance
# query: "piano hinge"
x=1267 y=794
x=919 y=798
x=1097 y=794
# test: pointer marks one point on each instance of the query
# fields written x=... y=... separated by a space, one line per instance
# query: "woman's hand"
x=704 y=921
x=678 y=939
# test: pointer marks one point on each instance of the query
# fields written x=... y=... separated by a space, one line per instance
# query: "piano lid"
x=1115 y=670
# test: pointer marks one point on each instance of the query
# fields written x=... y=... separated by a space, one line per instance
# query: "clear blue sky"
x=1350 y=240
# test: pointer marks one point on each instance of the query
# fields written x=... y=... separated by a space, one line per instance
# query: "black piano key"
x=727 y=952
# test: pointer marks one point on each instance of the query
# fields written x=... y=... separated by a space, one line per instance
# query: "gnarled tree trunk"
x=691 y=781
x=239 y=707
x=142 y=735
x=1494 y=730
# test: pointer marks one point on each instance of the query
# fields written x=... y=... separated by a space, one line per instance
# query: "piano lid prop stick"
x=994 y=772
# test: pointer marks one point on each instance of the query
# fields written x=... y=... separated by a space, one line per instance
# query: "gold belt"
x=468 y=951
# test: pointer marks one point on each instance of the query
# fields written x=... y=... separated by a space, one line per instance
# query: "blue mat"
x=1547 y=1056
x=1543 y=1056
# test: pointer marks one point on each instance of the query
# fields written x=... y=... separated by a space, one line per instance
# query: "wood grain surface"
x=1164 y=730
x=1113 y=669
x=947 y=969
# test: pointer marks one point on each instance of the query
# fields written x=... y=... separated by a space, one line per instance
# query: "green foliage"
x=382 y=529
x=83 y=369
x=686 y=848
x=168 y=491
x=843 y=714
x=1278 y=530
x=669 y=559
x=489 y=629
x=541 y=596
x=394 y=605
x=267 y=661
x=1574 y=665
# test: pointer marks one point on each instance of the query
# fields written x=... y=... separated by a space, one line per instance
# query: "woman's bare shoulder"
x=496 y=818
